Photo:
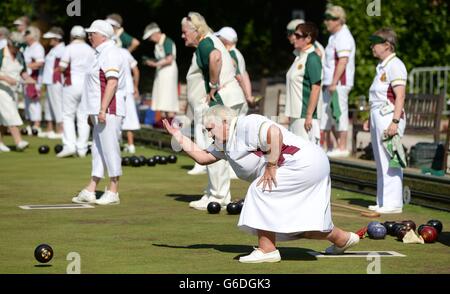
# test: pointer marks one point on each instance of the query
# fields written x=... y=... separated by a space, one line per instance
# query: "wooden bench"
x=423 y=116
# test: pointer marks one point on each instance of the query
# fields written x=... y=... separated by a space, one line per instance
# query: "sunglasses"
x=330 y=17
x=298 y=36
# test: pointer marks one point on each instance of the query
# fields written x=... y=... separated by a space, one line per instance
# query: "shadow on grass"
x=444 y=238
x=42 y=265
x=187 y=167
x=359 y=202
x=185 y=197
x=287 y=253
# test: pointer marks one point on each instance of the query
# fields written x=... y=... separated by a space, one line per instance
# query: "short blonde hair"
x=338 y=12
x=389 y=35
x=197 y=22
x=218 y=113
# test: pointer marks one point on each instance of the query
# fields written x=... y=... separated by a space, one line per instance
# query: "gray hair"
x=4 y=32
x=389 y=35
x=219 y=113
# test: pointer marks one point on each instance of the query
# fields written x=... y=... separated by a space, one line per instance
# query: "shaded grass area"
x=154 y=231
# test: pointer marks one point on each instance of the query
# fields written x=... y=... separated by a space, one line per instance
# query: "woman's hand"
x=151 y=63
x=102 y=117
x=174 y=130
x=366 y=126
x=269 y=177
x=391 y=131
x=308 y=124
x=211 y=95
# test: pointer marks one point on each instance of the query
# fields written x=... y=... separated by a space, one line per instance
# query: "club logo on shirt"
x=383 y=77
x=300 y=66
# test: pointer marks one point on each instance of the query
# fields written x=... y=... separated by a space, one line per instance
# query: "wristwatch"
x=395 y=121
x=214 y=86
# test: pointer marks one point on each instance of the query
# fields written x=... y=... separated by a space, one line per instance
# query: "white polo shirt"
x=52 y=61
x=131 y=63
x=77 y=59
x=340 y=44
x=390 y=73
x=108 y=63
x=34 y=53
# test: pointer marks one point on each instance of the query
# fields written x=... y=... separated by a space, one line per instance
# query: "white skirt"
x=165 y=89
x=131 y=119
x=300 y=202
x=9 y=115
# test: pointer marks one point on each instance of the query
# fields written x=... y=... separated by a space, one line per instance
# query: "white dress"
x=301 y=200
x=165 y=85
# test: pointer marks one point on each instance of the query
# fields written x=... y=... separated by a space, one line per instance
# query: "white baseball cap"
x=102 y=27
x=228 y=33
x=78 y=31
x=150 y=30
x=18 y=22
x=292 y=25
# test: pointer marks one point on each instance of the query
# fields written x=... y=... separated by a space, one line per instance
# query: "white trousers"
x=53 y=103
x=297 y=126
x=71 y=111
x=327 y=120
x=389 y=180
x=105 y=148
x=33 y=109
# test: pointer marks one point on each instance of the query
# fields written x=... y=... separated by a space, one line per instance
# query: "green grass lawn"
x=154 y=231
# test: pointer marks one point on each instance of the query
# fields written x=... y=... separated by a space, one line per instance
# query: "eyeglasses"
x=290 y=32
x=298 y=36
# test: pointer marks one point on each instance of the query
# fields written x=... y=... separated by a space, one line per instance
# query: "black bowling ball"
x=156 y=158
x=44 y=149
x=214 y=207
x=172 y=159
x=233 y=208
x=389 y=226
x=125 y=161
x=58 y=148
x=142 y=159
x=34 y=132
x=24 y=131
x=43 y=253
x=151 y=161
x=162 y=160
x=435 y=224
x=135 y=161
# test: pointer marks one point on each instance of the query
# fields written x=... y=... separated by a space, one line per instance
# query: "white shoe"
x=4 y=148
x=338 y=153
x=389 y=210
x=197 y=170
x=29 y=131
x=352 y=241
x=131 y=149
x=22 y=145
x=257 y=256
x=54 y=136
x=43 y=134
x=373 y=207
x=108 y=198
x=82 y=154
x=201 y=204
x=84 y=196
x=65 y=153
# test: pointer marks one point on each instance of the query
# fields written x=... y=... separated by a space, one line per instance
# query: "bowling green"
x=154 y=231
